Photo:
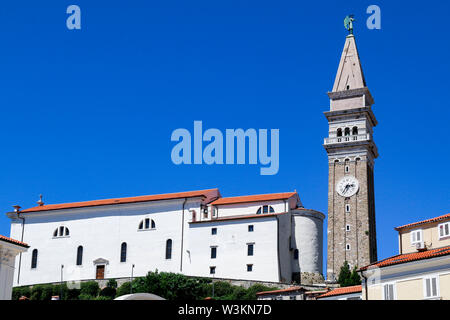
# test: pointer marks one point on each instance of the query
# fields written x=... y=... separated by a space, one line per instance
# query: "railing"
x=346 y=139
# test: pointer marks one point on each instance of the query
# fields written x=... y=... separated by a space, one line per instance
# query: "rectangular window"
x=214 y=231
x=249 y=268
x=388 y=291
x=147 y=223
x=444 y=230
x=347 y=208
x=250 y=249
x=347 y=247
x=416 y=236
x=431 y=287
x=213 y=252
x=212 y=270
x=250 y=228
x=347 y=227
x=265 y=209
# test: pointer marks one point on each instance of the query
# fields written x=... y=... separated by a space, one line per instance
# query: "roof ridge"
x=423 y=221
x=120 y=200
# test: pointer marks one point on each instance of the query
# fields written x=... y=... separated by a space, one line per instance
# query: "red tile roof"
x=167 y=196
x=408 y=257
x=440 y=218
x=254 y=198
x=291 y=289
x=14 y=241
x=341 y=291
x=249 y=216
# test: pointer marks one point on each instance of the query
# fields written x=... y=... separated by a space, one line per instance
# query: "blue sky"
x=88 y=114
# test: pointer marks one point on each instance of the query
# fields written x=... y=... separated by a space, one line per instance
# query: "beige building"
x=427 y=234
x=421 y=271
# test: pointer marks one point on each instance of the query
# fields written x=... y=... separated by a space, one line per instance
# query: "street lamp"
x=61 y=286
x=131 y=279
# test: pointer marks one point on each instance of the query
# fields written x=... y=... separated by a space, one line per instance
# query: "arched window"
x=61 y=232
x=347 y=131
x=80 y=256
x=146 y=224
x=265 y=209
x=123 y=252
x=296 y=254
x=34 y=257
x=355 y=131
x=339 y=132
x=169 y=249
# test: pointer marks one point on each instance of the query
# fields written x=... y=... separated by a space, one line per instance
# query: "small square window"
x=444 y=230
x=214 y=231
x=213 y=252
x=250 y=228
x=250 y=249
x=249 y=268
x=416 y=236
x=212 y=270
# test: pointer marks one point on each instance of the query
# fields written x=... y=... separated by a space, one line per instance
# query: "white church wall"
x=308 y=239
x=239 y=209
x=231 y=240
x=101 y=231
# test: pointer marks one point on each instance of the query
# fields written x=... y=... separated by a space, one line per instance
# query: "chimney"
x=40 y=202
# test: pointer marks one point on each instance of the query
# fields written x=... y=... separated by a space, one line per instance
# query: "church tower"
x=351 y=154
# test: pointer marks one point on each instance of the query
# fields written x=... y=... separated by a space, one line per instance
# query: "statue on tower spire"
x=348 y=23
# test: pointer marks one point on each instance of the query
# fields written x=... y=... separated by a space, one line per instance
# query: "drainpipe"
x=278 y=249
x=17 y=210
x=365 y=284
x=182 y=235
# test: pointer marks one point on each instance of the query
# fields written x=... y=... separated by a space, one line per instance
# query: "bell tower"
x=351 y=153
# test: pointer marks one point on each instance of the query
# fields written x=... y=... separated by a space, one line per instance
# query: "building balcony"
x=347 y=139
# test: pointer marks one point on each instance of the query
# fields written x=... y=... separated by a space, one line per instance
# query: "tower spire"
x=350 y=74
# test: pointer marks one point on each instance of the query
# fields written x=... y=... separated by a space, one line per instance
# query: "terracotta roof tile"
x=440 y=218
x=14 y=241
x=254 y=198
x=341 y=291
x=408 y=257
x=291 y=289
x=167 y=196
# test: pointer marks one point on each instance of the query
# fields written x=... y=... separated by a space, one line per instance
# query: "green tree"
x=123 y=289
x=355 y=278
x=89 y=288
x=348 y=278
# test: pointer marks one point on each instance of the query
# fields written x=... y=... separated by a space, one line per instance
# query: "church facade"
x=199 y=233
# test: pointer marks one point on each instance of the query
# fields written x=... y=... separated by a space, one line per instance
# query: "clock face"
x=347 y=186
